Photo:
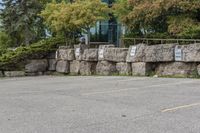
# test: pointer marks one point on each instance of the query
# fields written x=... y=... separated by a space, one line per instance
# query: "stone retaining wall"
x=141 y=59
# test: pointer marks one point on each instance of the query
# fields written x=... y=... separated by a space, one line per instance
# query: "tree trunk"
x=26 y=35
x=65 y=36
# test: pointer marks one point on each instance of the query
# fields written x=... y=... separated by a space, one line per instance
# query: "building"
x=107 y=31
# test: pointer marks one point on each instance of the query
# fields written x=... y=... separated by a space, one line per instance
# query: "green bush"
x=12 y=59
x=5 y=42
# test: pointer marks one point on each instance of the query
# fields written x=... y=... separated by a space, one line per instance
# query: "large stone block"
x=79 y=49
x=115 y=54
x=75 y=67
x=141 y=68
x=123 y=68
x=136 y=53
x=52 y=64
x=176 y=69
x=160 y=53
x=65 y=54
x=63 y=66
x=101 y=50
x=191 y=53
x=106 y=68
x=36 y=66
x=87 y=68
x=90 y=55
x=14 y=73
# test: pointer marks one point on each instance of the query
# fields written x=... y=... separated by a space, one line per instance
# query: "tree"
x=20 y=20
x=79 y=15
x=160 y=16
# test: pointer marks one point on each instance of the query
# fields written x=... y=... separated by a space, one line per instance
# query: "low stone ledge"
x=35 y=74
x=141 y=68
x=75 y=67
x=14 y=73
x=65 y=54
x=79 y=49
x=136 y=53
x=36 y=66
x=101 y=51
x=63 y=66
x=87 y=68
x=106 y=68
x=90 y=55
x=176 y=69
x=123 y=68
x=52 y=64
x=115 y=54
x=160 y=53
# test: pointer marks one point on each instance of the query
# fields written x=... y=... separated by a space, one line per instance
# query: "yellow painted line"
x=180 y=107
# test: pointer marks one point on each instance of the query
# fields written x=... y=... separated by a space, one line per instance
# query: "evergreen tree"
x=20 y=20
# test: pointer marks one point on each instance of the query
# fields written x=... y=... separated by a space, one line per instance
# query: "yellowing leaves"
x=81 y=14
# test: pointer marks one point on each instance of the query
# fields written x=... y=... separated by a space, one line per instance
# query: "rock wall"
x=141 y=60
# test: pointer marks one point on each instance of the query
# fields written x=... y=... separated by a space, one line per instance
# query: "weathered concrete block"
x=141 y=68
x=87 y=68
x=191 y=53
x=136 y=53
x=101 y=50
x=52 y=64
x=115 y=54
x=14 y=73
x=63 y=66
x=160 y=53
x=65 y=54
x=79 y=49
x=124 y=68
x=106 y=68
x=75 y=67
x=36 y=66
x=90 y=55
x=176 y=69
x=66 y=47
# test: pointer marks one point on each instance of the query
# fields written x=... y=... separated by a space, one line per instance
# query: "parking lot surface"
x=52 y=104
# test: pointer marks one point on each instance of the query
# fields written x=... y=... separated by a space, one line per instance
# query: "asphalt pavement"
x=73 y=104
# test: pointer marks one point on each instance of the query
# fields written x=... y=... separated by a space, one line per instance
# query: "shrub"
x=12 y=59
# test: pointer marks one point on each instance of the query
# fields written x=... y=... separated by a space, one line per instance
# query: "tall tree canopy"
x=20 y=20
x=77 y=15
x=178 y=18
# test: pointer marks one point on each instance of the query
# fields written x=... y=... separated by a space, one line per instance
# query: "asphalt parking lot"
x=51 y=104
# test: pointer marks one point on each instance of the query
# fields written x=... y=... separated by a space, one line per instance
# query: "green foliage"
x=12 y=58
x=5 y=42
x=21 y=22
x=79 y=15
x=177 y=18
